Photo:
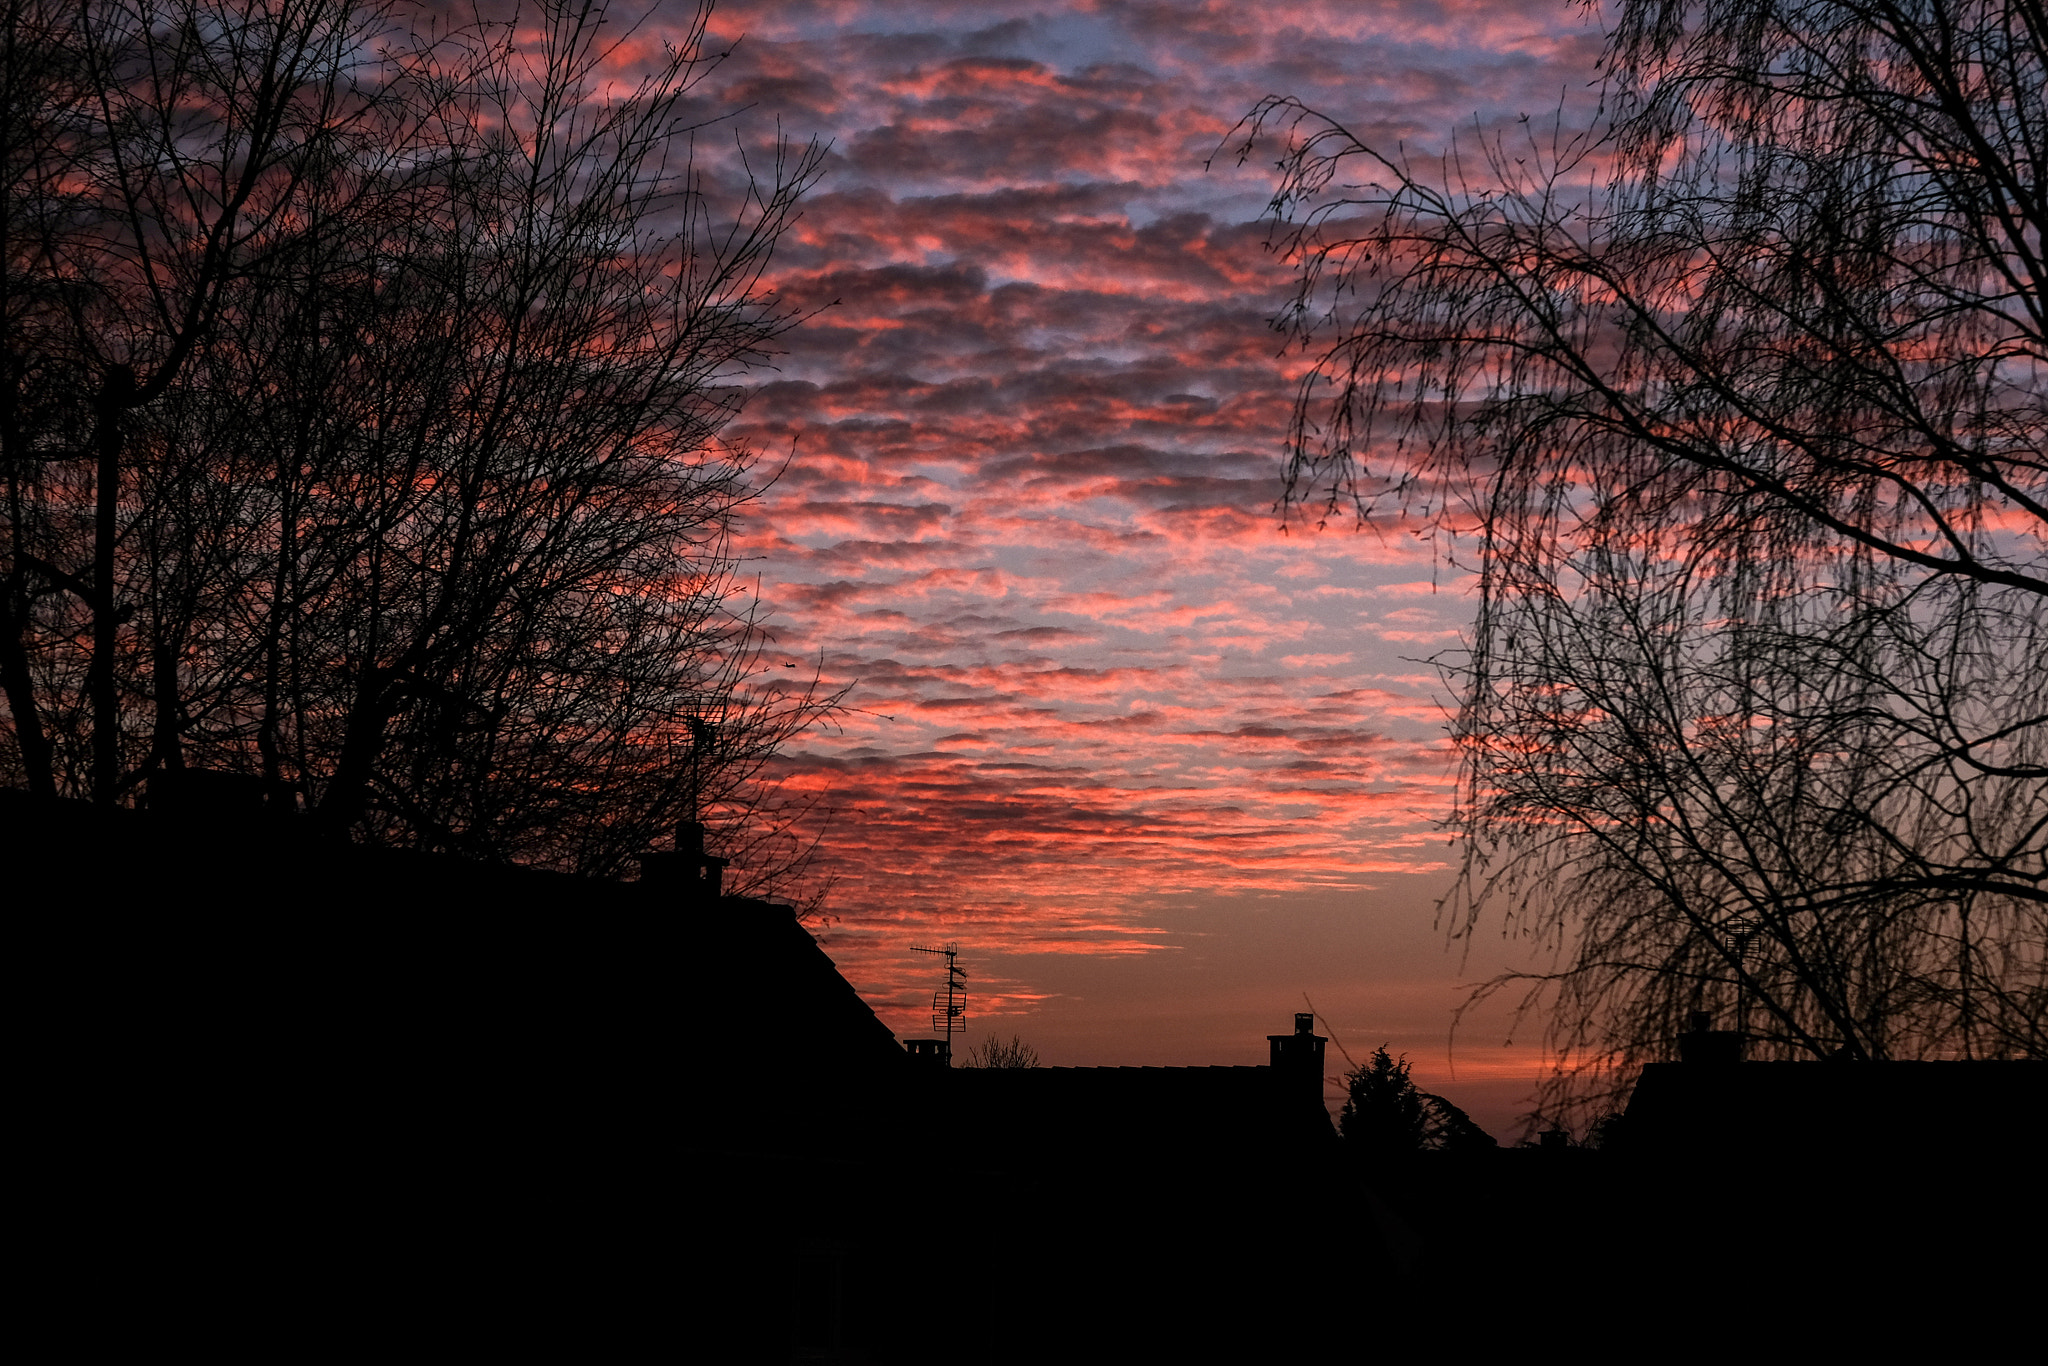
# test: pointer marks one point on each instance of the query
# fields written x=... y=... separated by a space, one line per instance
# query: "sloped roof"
x=1157 y=1114
x=222 y=967
x=1991 y=1109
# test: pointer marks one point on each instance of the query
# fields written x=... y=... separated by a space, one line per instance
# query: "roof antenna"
x=949 y=1004
x=702 y=734
x=1333 y=1033
x=700 y=876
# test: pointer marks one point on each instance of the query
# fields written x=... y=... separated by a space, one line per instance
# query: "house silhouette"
x=1182 y=1116
x=277 y=1082
x=275 y=1090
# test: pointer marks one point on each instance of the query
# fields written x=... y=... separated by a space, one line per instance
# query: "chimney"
x=696 y=875
x=934 y=1054
x=1300 y=1055
x=1701 y=1044
x=206 y=797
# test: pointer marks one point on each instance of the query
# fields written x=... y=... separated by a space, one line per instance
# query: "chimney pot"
x=1300 y=1055
x=1704 y=1044
x=697 y=875
x=934 y=1053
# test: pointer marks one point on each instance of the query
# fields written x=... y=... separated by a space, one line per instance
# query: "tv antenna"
x=949 y=1004
x=703 y=735
x=1740 y=931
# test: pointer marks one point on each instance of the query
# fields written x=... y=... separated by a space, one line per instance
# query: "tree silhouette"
x=1000 y=1054
x=360 y=422
x=1386 y=1115
x=1736 y=405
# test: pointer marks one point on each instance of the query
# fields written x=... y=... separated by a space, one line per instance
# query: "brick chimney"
x=689 y=872
x=1300 y=1055
x=935 y=1054
x=1702 y=1044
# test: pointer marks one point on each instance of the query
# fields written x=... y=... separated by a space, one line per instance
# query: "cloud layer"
x=1036 y=423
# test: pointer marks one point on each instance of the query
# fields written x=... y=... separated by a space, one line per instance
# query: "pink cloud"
x=1036 y=430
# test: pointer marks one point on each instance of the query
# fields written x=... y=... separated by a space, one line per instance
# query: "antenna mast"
x=949 y=1005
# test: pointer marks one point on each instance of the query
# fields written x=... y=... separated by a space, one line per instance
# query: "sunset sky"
x=1157 y=767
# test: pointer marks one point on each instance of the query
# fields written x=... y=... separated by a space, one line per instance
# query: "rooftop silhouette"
x=319 y=1048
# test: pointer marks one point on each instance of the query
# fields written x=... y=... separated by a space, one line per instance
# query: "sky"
x=1163 y=771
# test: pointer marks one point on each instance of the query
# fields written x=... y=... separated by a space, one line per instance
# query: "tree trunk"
x=166 y=747
x=348 y=789
x=115 y=396
x=37 y=758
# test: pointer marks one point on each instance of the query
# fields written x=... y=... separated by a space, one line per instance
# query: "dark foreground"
x=280 y=1100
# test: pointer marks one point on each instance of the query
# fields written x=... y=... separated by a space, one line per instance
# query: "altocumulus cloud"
x=1038 y=435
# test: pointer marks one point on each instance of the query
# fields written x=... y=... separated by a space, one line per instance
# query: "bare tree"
x=1001 y=1054
x=153 y=156
x=1736 y=404
x=431 y=519
x=1805 y=818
